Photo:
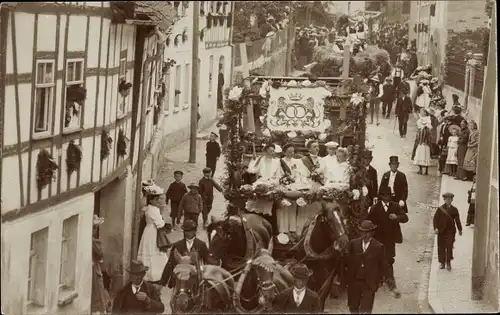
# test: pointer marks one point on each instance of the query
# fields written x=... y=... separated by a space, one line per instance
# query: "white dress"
x=269 y=172
x=451 y=158
x=424 y=99
x=149 y=252
x=423 y=151
x=340 y=174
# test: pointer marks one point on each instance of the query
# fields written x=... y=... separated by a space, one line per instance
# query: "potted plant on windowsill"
x=106 y=143
x=75 y=98
x=124 y=88
x=73 y=157
x=46 y=168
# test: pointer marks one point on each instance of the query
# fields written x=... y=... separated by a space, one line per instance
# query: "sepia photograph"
x=249 y=157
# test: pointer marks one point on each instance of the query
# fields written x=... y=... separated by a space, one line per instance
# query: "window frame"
x=166 y=102
x=32 y=300
x=187 y=78
x=49 y=111
x=80 y=82
x=69 y=241
x=177 y=86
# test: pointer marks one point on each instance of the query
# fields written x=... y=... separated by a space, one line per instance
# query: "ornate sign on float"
x=297 y=109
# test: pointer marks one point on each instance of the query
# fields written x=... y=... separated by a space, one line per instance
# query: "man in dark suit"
x=299 y=298
x=395 y=180
x=188 y=245
x=387 y=215
x=372 y=176
x=213 y=152
x=366 y=266
x=138 y=296
x=207 y=185
x=403 y=110
x=388 y=97
x=445 y=219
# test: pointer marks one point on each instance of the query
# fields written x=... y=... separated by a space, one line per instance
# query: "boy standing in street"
x=191 y=204
x=212 y=153
x=445 y=219
x=175 y=191
x=207 y=185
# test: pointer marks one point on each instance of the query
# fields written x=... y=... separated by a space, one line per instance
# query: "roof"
x=160 y=12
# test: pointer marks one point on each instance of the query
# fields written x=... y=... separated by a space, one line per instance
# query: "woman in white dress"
x=149 y=252
x=268 y=171
x=341 y=173
x=423 y=94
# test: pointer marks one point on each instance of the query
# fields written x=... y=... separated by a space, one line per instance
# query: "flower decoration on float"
x=285 y=203
x=291 y=134
x=301 y=202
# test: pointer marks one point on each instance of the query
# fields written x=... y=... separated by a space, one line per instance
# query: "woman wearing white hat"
x=148 y=251
x=423 y=94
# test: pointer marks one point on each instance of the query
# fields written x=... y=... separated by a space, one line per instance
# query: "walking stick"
x=394 y=129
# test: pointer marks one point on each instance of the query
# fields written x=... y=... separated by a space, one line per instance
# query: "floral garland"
x=121 y=144
x=46 y=168
x=73 y=157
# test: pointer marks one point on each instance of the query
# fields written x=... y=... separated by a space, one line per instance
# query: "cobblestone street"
x=413 y=256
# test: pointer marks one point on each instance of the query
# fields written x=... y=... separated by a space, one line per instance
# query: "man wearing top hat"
x=298 y=299
x=138 y=296
x=396 y=181
x=387 y=215
x=213 y=152
x=444 y=221
x=187 y=246
x=366 y=265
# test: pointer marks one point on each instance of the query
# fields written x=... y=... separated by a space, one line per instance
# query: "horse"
x=198 y=288
x=272 y=279
x=237 y=239
x=322 y=243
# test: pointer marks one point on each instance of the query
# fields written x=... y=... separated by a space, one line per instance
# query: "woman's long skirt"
x=150 y=254
x=462 y=150
x=470 y=157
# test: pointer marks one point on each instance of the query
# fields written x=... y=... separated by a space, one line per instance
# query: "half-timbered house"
x=70 y=96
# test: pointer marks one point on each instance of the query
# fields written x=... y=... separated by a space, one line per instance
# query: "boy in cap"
x=207 y=185
x=299 y=298
x=366 y=265
x=444 y=221
x=138 y=296
x=191 y=204
x=175 y=191
x=213 y=152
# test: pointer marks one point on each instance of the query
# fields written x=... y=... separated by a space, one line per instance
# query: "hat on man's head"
x=300 y=271
x=394 y=160
x=178 y=173
x=189 y=225
x=367 y=226
x=137 y=267
x=332 y=144
x=214 y=134
x=384 y=191
x=269 y=145
x=207 y=170
x=448 y=195
x=388 y=79
x=375 y=78
x=147 y=182
x=368 y=154
x=193 y=185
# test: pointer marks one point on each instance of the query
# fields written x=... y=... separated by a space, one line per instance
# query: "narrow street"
x=413 y=256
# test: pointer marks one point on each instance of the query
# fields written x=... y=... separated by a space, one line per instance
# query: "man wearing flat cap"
x=396 y=181
x=445 y=219
x=298 y=299
x=388 y=216
x=175 y=192
x=138 y=296
x=207 y=185
x=187 y=246
x=213 y=152
x=366 y=265
x=191 y=204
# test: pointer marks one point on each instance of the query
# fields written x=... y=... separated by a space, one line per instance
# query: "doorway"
x=220 y=84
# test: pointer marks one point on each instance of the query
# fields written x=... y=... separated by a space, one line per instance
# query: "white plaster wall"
x=16 y=238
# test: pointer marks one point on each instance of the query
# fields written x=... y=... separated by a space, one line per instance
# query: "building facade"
x=69 y=94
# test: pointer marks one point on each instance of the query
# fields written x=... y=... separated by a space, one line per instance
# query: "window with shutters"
x=69 y=243
x=37 y=273
x=44 y=93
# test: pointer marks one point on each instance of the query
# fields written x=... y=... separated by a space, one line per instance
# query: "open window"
x=75 y=94
x=44 y=96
